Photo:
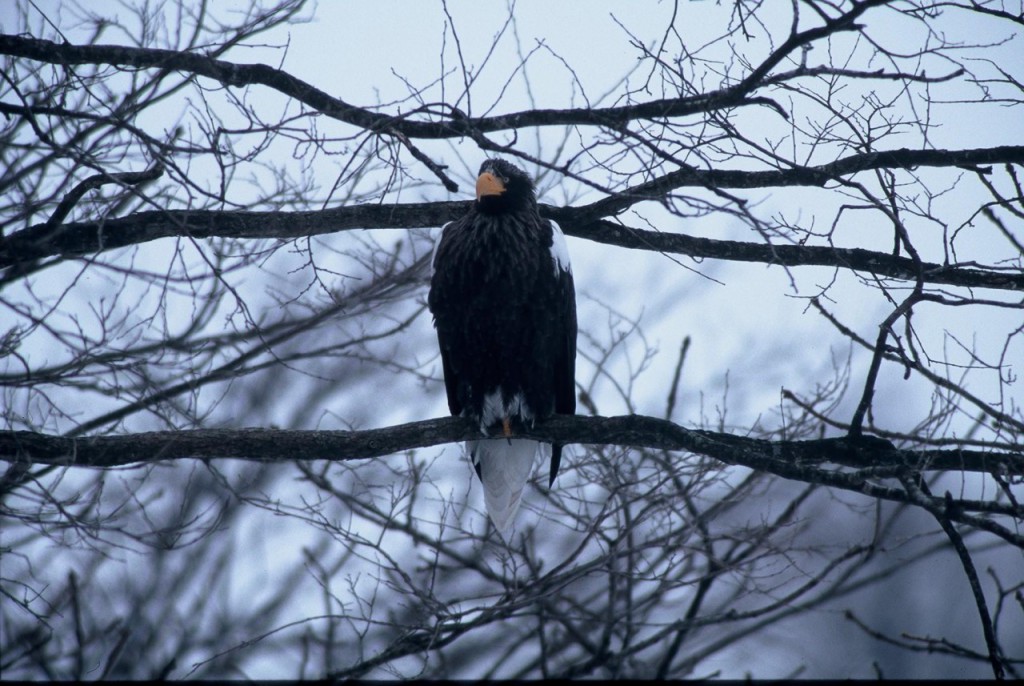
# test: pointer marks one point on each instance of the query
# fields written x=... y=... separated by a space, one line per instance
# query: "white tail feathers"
x=504 y=466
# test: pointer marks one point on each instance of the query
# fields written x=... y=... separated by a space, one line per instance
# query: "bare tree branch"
x=633 y=431
x=85 y=238
x=454 y=124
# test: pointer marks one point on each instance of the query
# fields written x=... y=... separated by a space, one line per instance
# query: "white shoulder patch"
x=559 y=250
x=437 y=243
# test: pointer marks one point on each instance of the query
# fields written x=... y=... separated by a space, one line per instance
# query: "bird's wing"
x=565 y=366
x=565 y=339
x=451 y=381
x=565 y=323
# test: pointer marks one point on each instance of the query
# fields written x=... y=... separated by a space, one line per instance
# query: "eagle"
x=504 y=306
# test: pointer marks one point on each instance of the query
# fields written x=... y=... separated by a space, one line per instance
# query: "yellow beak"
x=488 y=184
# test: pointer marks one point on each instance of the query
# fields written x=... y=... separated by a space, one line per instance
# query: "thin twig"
x=991 y=642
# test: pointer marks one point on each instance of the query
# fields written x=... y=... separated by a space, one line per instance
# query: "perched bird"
x=504 y=305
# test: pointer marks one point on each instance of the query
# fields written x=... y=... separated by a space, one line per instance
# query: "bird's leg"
x=506 y=428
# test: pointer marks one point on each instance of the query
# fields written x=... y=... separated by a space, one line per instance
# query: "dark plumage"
x=504 y=306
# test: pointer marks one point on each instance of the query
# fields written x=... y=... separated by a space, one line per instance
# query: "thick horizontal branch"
x=449 y=122
x=786 y=458
x=819 y=175
x=857 y=259
x=454 y=124
x=86 y=238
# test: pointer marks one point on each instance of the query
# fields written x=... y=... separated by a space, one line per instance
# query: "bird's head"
x=503 y=187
